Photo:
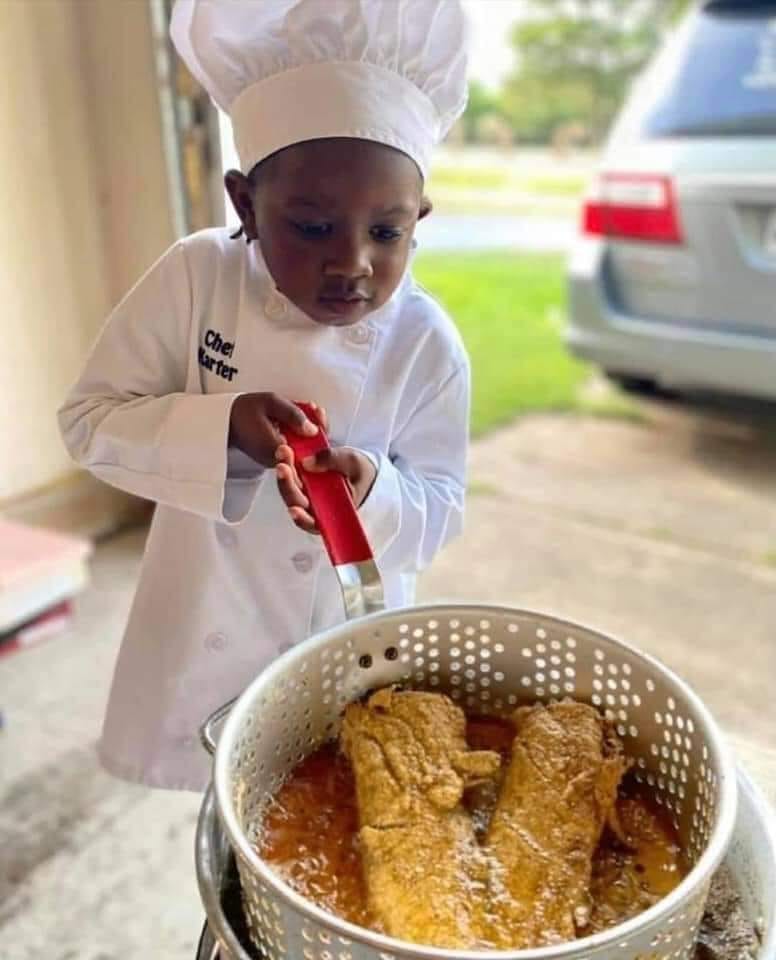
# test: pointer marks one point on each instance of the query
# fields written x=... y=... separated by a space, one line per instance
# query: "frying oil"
x=310 y=837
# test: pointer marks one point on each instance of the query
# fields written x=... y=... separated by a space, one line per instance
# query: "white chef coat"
x=228 y=582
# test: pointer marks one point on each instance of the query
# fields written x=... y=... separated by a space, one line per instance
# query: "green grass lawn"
x=510 y=309
x=502 y=178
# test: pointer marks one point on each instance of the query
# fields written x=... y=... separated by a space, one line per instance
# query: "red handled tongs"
x=339 y=525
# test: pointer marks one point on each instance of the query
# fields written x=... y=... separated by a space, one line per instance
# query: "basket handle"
x=330 y=499
x=206 y=734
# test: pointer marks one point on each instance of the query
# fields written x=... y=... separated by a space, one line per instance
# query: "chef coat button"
x=276 y=307
x=215 y=641
x=303 y=562
x=359 y=333
x=226 y=536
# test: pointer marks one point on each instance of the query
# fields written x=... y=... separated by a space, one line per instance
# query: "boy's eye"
x=386 y=234
x=314 y=230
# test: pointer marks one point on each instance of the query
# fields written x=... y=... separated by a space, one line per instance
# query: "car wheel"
x=631 y=383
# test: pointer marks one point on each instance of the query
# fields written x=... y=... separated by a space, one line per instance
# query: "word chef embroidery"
x=215 y=342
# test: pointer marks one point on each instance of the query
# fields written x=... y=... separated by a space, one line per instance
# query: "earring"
x=414 y=243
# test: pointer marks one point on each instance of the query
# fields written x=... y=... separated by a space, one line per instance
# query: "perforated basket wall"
x=489 y=660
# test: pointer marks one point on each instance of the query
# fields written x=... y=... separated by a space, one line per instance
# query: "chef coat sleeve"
x=128 y=419
x=415 y=505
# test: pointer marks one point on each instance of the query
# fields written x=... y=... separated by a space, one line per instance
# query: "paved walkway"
x=663 y=533
x=464 y=233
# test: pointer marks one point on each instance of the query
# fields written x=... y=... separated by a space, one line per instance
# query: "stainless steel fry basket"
x=489 y=660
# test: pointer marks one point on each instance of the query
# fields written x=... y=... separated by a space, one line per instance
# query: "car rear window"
x=718 y=78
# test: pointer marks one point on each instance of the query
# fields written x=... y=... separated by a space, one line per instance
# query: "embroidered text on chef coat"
x=215 y=342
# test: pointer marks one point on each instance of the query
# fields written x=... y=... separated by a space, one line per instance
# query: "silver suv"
x=673 y=278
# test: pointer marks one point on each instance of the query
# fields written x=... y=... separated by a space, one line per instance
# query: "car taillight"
x=632 y=206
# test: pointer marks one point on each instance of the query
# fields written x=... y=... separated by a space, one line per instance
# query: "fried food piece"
x=425 y=872
x=559 y=791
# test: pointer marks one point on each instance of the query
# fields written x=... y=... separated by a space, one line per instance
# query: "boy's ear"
x=426 y=206
x=240 y=190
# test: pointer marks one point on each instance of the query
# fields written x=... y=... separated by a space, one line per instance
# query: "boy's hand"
x=357 y=468
x=257 y=422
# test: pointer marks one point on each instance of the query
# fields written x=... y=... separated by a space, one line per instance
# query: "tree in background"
x=575 y=61
x=482 y=103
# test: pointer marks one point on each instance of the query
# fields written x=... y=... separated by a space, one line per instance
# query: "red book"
x=38 y=570
x=42 y=627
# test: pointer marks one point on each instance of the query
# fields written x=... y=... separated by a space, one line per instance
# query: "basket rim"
x=703 y=870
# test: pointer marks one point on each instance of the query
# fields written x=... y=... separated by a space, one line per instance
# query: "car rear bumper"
x=672 y=354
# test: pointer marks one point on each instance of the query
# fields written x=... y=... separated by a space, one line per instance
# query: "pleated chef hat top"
x=286 y=71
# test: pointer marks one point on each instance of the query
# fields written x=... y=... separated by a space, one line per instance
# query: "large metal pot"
x=751 y=858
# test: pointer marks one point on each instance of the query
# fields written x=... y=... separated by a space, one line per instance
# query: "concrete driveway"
x=662 y=532
x=466 y=233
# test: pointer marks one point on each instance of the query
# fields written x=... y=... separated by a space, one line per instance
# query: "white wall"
x=83 y=195
x=117 y=59
x=52 y=268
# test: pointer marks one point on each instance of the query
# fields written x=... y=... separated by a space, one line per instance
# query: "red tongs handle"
x=330 y=499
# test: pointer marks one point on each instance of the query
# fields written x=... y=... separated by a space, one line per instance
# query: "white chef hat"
x=286 y=71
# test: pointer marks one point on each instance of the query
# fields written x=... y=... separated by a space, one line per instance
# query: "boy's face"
x=335 y=220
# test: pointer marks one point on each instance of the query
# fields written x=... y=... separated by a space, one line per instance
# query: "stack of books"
x=40 y=574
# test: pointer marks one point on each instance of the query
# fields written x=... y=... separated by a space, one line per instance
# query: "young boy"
x=186 y=396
